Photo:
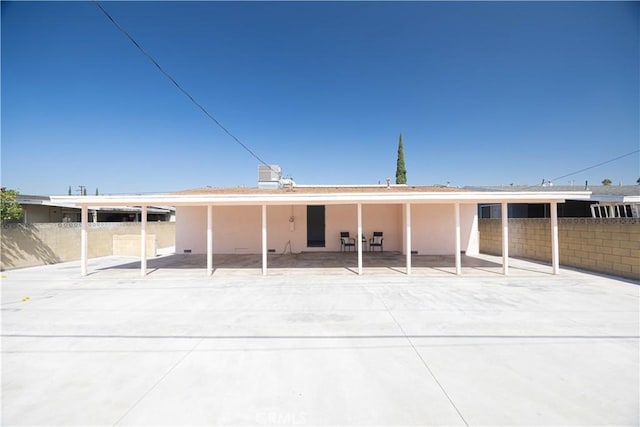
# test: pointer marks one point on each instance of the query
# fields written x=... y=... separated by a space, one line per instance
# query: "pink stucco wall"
x=191 y=229
x=385 y=218
x=433 y=229
x=237 y=229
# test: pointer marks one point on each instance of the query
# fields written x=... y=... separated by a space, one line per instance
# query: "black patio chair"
x=376 y=241
x=346 y=242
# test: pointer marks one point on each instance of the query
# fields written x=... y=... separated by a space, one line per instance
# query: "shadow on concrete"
x=392 y=260
x=20 y=243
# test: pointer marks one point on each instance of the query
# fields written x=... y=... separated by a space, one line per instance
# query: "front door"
x=315 y=227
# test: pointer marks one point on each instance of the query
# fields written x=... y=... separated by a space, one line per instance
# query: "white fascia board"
x=38 y=202
x=118 y=207
x=59 y=205
x=46 y=203
x=326 y=198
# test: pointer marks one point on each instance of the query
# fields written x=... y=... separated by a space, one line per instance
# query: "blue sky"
x=483 y=93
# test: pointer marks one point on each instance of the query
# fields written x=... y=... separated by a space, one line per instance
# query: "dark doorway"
x=315 y=227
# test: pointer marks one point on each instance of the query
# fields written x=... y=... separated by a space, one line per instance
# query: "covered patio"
x=248 y=212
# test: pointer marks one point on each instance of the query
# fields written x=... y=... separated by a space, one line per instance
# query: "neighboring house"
x=606 y=201
x=39 y=209
x=280 y=216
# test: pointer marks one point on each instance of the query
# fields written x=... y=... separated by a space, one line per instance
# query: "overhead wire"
x=599 y=164
x=236 y=139
x=592 y=166
x=184 y=91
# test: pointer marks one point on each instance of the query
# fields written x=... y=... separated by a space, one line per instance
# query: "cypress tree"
x=69 y=192
x=401 y=170
x=97 y=194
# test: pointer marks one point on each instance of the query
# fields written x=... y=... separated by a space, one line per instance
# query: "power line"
x=596 y=165
x=187 y=94
x=592 y=166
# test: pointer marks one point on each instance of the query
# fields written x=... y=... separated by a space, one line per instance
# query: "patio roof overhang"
x=295 y=198
x=325 y=196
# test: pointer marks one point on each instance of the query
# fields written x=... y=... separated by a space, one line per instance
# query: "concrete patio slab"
x=60 y=386
x=566 y=381
x=330 y=382
x=318 y=346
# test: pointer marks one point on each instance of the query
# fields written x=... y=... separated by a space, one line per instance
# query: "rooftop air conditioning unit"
x=269 y=176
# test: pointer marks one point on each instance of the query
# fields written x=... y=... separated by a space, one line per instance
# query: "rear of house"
x=317 y=227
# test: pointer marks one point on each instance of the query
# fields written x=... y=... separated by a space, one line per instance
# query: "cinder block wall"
x=50 y=243
x=129 y=245
x=610 y=246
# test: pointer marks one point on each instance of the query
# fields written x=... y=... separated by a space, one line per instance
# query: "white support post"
x=458 y=255
x=360 y=238
x=505 y=238
x=555 y=247
x=209 y=240
x=264 y=240
x=84 y=218
x=407 y=220
x=143 y=241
